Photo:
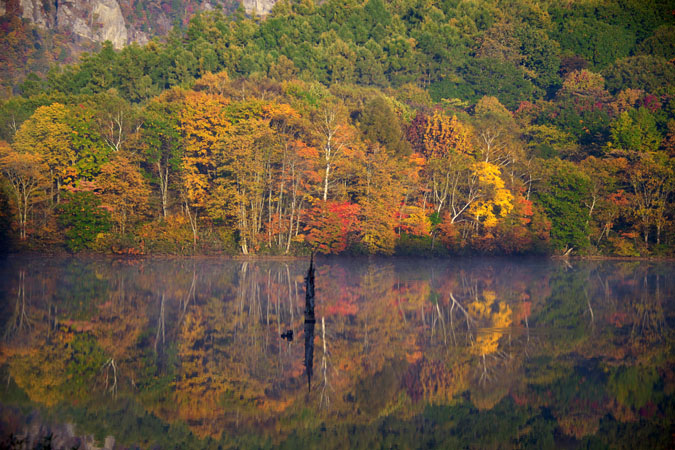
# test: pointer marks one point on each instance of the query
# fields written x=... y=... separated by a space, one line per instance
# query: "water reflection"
x=415 y=353
x=310 y=322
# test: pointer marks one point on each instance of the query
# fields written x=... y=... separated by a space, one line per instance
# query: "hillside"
x=371 y=127
x=37 y=34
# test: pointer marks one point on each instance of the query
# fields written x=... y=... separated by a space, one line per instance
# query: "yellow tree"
x=379 y=192
x=124 y=190
x=653 y=181
x=48 y=134
x=415 y=221
x=495 y=201
x=203 y=125
x=25 y=173
x=290 y=130
x=245 y=175
x=336 y=136
x=495 y=317
x=444 y=135
x=447 y=145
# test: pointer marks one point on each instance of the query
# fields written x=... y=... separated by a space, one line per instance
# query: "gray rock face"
x=102 y=20
x=96 y=20
x=259 y=7
x=33 y=10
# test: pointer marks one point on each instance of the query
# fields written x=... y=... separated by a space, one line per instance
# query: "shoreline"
x=257 y=257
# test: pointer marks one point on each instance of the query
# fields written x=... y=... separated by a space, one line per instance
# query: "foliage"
x=563 y=199
x=83 y=219
x=25 y=174
x=239 y=126
x=331 y=225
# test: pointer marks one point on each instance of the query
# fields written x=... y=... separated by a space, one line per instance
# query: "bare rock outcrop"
x=110 y=20
x=95 y=20
x=259 y=7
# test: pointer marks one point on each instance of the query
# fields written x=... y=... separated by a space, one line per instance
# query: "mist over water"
x=409 y=352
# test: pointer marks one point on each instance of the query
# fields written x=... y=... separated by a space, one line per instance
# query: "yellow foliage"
x=47 y=133
x=495 y=316
x=497 y=201
x=441 y=384
x=124 y=190
x=444 y=135
x=203 y=125
x=415 y=221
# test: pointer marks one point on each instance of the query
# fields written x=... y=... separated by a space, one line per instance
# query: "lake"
x=400 y=353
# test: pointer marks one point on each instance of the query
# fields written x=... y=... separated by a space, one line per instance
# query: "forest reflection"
x=569 y=349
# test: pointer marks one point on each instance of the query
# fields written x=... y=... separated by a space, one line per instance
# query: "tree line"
x=474 y=130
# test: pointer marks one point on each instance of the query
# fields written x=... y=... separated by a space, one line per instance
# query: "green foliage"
x=541 y=56
x=565 y=311
x=488 y=76
x=83 y=219
x=584 y=119
x=563 y=197
x=380 y=124
x=412 y=245
x=650 y=73
x=86 y=360
x=598 y=42
x=634 y=386
x=660 y=44
x=635 y=130
x=90 y=149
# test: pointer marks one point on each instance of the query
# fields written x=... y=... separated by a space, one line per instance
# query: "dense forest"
x=406 y=127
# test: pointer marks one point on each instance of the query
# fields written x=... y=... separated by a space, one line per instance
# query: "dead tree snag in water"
x=310 y=321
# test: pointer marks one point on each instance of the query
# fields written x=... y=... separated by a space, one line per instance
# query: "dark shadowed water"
x=401 y=353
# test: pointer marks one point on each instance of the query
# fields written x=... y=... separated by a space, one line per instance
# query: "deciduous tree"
x=26 y=175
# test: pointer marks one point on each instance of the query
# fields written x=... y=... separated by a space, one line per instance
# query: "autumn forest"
x=407 y=127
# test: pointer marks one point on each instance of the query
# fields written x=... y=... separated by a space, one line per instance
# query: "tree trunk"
x=325 y=183
x=163 y=185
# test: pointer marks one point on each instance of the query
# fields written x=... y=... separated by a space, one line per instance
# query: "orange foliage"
x=444 y=135
x=329 y=225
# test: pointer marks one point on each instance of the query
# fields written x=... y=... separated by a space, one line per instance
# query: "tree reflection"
x=199 y=342
x=310 y=322
x=19 y=321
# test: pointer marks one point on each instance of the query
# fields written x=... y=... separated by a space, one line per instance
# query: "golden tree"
x=25 y=173
x=48 y=134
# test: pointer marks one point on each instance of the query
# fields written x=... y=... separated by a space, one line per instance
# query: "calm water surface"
x=479 y=353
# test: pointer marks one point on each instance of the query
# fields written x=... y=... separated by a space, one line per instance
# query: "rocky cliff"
x=259 y=7
x=119 y=21
x=97 y=20
x=94 y=20
x=38 y=34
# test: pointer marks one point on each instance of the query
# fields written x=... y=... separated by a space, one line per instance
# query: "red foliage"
x=342 y=309
x=651 y=102
x=619 y=199
x=523 y=207
x=329 y=225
